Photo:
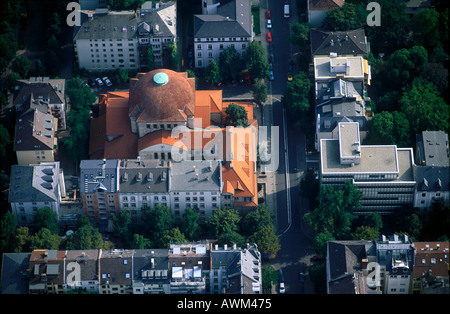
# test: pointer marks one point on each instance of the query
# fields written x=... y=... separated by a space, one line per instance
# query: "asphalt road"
x=296 y=244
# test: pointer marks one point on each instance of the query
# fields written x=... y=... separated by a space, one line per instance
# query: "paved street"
x=296 y=248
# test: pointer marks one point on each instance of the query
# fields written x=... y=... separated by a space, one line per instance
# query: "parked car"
x=269 y=23
x=281 y=281
x=91 y=82
x=99 y=81
x=269 y=37
x=268 y=14
x=271 y=58
x=301 y=277
x=271 y=76
x=107 y=81
x=289 y=77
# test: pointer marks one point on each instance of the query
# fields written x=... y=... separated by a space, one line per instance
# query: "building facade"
x=383 y=173
x=99 y=186
x=33 y=187
x=222 y=24
x=109 y=40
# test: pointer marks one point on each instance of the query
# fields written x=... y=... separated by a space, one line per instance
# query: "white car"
x=269 y=23
x=282 y=290
x=99 y=81
x=107 y=81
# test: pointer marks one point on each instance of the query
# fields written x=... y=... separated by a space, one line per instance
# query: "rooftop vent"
x=160 y=79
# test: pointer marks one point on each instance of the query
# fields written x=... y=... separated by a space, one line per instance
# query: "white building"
x=196 y=185
x=143 y=185
x=33 y=187
x=383 y=173
x=108 y=40
x=432 y=159
x=221 y=26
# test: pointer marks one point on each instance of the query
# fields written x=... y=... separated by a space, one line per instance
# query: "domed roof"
x=162 y=95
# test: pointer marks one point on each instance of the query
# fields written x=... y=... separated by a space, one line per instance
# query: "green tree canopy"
x=212 y=73
x=296 y=96
x=45 y=217
x=139 y=242
x=260 y=92
x=157 y=221
x=320 y=242
x=299 y=33
x=230 y=62
x=5 y=140
x=387 y=128
x=236 y=116
x=365 y=233
x=44 y=239
x=190 y=226
x=22 y=66
x=347 y=17
x=267 y=240
x=424 y=107
x=85 y=237
x=122 y=222
x=425 y=27
x=223 y=225
x=256 y=59
x=334 y=214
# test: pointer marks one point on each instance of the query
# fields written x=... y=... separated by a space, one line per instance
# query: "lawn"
x=256 y=23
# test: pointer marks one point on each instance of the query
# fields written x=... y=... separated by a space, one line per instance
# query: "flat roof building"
x=384 y=173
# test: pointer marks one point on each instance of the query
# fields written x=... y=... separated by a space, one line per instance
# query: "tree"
x=374 y=221
x=437 y=73
x=267 y=240
x=45 y=217
x=404 y=65
x=190 y=226
x=425 y=27
x=365 y=233
x=223 y=224
x=230 y=62
x=5 y=139
x=150 y=59
x=260 y=92
x=256 y=219
x=122 y=76
x=22 y=65
x=236 y=115
x=320 y=243
x=173 y=235
x=85 y=237
x=258 y=67
x=423 y=106
x=12 y=78
x=299 y=34
x=344 y=18
x=7 y=232
x=172 y=56
x=296 y=96
x=122 y=222
x=309 y=188
x=44 y=239
x=140 y=242
x=334 y=214
x=157 y=221
x=8 y=48
x=212 y=73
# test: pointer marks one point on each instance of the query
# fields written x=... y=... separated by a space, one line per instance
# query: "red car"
x=268 y=14
x=269 y=37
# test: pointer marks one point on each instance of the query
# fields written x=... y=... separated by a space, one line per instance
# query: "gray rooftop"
x=432 y=149
x=352 y=42
x=98 y=175
x=34 y=183
x=193 y=175
x=151 y=264
x=13 y=273
x=88 y=259
x=432 y=179
x=144 y=176
x=104 y=24
x=233 y=19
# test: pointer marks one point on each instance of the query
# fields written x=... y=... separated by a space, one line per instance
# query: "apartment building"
x=196 y=185
x=151 y=269
x=381 y=266
x=35 y=138
x=384 y=174
x=395 y=255
x=99 y=186
x=222 y=24
x=33 y=187
x=115 y=271
x=109 y=40
x=182 y=268
x=431 y=268
x=44 y=94
x=235 y=270
x=432 y=160
x=189 y=266
x=143 y=185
